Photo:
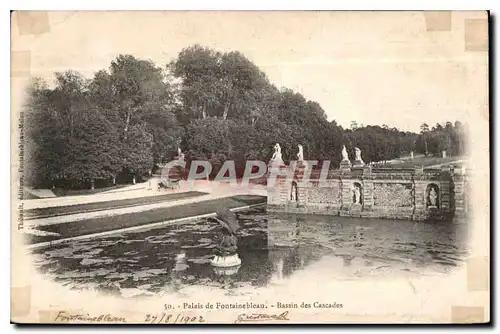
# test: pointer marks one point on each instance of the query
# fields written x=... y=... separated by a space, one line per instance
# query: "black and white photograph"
x=250 y=167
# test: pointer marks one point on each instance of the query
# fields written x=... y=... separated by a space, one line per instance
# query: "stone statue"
x=300 y=155
x=294 y=192
x=358 y=154
x=358 y=160
x=180 y=155
x=433 y=197
x=356 y=195
x=226 y=252
x=344 y=154
x=277 y=158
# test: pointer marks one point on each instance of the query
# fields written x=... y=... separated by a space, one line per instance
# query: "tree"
x=138 y=151
x=42 y=141
x=226 y=85
x=92 y=152
x=215 y=105
x=136 y=92
x=198 y=67
x=207 y=137
x=439 y=138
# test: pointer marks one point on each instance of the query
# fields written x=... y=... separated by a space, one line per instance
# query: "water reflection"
x=272 y=248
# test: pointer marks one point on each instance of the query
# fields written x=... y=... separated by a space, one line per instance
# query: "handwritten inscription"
x=170 y=314
x=172 y=318
x=260 y=317
x=63 y=316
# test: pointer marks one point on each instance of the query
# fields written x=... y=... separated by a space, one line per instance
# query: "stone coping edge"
x=135 y=228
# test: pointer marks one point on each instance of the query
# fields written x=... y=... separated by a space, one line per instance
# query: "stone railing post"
x=446 y=184
x=346 y=193
x=418 y=193
x=367 y=188
x=302 y=183
x=345 y=166
x=277 y=193
x=459 y=191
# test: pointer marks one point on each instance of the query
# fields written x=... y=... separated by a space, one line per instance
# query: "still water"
x=271 y=246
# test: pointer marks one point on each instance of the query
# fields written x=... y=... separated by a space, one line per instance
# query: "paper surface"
x=394 y=68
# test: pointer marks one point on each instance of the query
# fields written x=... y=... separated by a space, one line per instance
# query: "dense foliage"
x=127 y=119
x=450 y=138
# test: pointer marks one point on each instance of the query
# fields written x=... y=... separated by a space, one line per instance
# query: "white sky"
x=374 y=68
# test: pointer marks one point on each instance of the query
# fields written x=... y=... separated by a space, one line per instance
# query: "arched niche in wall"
x=294 y=192
x=432 y=196
x=357 y=193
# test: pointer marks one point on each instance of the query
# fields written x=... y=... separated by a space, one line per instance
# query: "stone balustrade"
x=363 y=191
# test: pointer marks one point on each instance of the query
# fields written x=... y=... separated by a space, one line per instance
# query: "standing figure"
x=344 y=154
x=433 y=198
x=358 y=154
x=276 y=158
x=356 y=195
x=294 y=192
x=300 y=155
x=358 y=160
x=180 y=155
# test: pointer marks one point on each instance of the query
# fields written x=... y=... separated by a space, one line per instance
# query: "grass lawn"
x=78 y=192
x=96 y=225
x=28 y=195
x=107 y=205
x=420 y=161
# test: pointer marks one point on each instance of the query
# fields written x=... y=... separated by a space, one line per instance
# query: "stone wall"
x=415 y=194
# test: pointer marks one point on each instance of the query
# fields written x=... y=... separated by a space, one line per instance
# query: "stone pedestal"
x=222 y=271
x=459 y=194
x=419 y=209
x=356 y=208
x=301 y=184
x=367 y=187
x=445 y=193
x=345 y=166
x=346 y=195
x=358 y=163
x=226 y=261
x=299 y=171
x=278 y=193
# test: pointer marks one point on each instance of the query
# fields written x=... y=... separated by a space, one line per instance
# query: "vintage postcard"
x=204 y=167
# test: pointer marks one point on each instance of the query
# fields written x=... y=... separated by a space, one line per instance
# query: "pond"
x=272 y=247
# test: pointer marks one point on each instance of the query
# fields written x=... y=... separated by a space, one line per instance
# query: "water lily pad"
x=119 y=275
x=148 y=273
x=87 y=261
x=127 y=260
x=203 y=240
x=201 y=260
x=134 y=292
x=83 y=255
x=131 y=253
x=196 y=246
x=180 y=267
x=144 y=286
x=164 y=241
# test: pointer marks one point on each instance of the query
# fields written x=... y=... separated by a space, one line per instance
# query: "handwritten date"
x=173 y=318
